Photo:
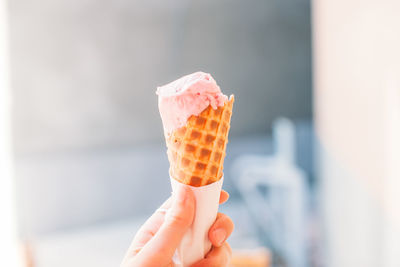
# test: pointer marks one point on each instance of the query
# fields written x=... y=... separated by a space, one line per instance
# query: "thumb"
x=178 y=219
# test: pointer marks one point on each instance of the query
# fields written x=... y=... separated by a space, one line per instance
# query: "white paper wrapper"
x=195 y=244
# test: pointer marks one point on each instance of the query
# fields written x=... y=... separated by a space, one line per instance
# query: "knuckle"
x=223 y=221
x=178 y=219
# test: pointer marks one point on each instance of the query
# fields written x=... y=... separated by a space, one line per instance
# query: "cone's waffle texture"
x=196 y=151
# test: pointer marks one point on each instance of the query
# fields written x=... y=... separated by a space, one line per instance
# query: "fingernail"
x=219 y=235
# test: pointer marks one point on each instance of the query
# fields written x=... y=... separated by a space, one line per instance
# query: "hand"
x=156 y=241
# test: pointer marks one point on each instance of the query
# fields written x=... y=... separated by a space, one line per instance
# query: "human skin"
x=156 y=241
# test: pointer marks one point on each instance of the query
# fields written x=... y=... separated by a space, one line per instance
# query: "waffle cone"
x=196 y=151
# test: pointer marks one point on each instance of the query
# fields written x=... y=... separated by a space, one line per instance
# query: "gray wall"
x=87 y=133
x=84 y=73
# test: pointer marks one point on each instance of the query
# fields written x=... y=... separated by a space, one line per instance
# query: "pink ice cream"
x=187 y=96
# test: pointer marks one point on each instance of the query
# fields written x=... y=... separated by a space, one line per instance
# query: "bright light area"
x=392 y=183
x=8 y=241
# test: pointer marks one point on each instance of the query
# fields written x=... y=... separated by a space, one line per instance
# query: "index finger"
x=150 y=227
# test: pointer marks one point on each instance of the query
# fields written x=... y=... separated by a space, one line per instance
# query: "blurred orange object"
x=259 y=257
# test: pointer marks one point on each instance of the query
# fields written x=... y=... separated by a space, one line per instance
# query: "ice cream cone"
x=196 y=119
x=196 y=151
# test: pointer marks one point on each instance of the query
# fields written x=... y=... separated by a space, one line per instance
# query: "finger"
x=220 y=230
x=216 y=257
x=149 y=228
x=162 y=246
x=223 y=197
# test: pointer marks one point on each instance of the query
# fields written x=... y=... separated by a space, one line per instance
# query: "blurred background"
x=313 y=157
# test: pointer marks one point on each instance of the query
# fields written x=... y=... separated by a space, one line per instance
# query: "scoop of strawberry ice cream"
x=187 y=96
